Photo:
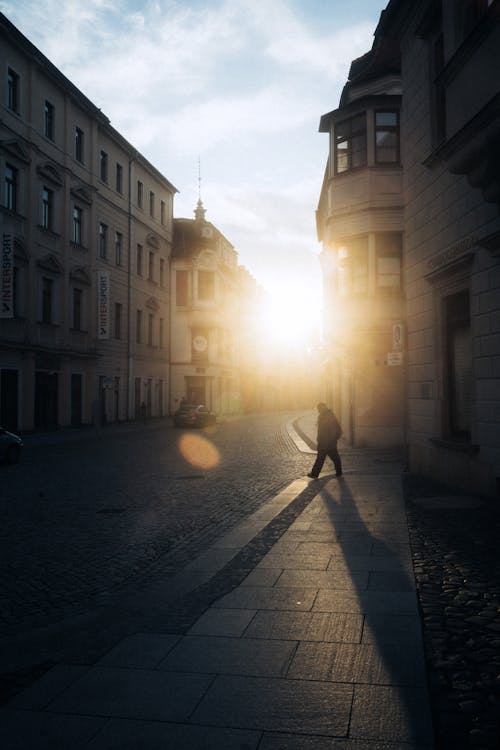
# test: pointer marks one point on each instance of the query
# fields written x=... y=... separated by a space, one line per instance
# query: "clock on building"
x=200 y=343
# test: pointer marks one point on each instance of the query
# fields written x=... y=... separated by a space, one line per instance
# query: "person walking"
x=328 y=433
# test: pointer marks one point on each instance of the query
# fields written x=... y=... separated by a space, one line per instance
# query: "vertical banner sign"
x=7 y=279
x=103 y=305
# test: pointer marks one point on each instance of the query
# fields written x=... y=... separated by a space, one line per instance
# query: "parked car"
x=10 y=446
x=194 y=415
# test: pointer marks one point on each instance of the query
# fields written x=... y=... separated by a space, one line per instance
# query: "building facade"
x=86 y=227
x=360 y=225
x=450 y=134
x=449 y=220
x=205 y=314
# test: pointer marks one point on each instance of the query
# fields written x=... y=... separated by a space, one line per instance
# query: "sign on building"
x=397 y=337
x=7 y=279
x=103 y=305
x=394 y=359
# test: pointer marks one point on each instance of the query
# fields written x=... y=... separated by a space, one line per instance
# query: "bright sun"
x=290 y=321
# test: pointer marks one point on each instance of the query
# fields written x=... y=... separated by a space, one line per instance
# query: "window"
x=353 y=266
x=47 y=208
x=140 y=193
x=118 y=320
x=103 y=240
x=47 y=291
x=458 y=366
x=118 y=248
x=162 y=212
x=182 y=288
x=13 y=90
x=138 y=326
x=77 y=309
x=103 y=166
x=119 y=178
x=151 y=204
x=388 y=250
x=11 y=187
x=162 y=333
x=206 y=285
x=162 y=272
x=150 y=329
x=151 y=266
x=49 y=120
x=386 y=137
x=139 y=260
x=350 y=144
x=79 y=145
x=77 y=225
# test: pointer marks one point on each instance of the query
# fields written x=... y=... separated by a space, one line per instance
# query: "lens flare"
x=199 y=451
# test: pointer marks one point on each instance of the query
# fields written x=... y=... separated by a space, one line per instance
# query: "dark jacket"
x=329 y=430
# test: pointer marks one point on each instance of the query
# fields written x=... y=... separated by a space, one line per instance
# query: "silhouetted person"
x=328 y=433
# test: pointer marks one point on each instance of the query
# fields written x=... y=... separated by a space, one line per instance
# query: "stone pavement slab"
x=279 y=704
x=133 y=694
x=219 y=655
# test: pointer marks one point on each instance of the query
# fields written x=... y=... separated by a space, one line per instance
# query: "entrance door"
x=196 y=390
x=8 y=399
x=45 y=400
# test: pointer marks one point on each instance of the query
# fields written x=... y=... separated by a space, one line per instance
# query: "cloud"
x=241 y=82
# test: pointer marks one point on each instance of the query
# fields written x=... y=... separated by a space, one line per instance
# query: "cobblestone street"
x=86 y=518
x=457 y=572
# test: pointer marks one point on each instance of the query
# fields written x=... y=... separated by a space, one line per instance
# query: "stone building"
x=449 y=337
x=86 y=227
x=360 y=225
x=205 y=315
x=450 y=135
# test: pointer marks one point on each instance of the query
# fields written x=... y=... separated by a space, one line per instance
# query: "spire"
x=200 y=211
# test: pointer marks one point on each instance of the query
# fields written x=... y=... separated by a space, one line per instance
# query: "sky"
x=229 y=90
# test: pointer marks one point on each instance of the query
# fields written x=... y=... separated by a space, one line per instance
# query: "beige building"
x=205 y=314
x=86 y=226
x=450 y=131
x=360 y=225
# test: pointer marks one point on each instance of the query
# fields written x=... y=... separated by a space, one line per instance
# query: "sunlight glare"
x=290 y=320
x=199 y=451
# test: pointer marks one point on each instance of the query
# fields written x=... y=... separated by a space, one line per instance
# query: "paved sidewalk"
x=318 y=647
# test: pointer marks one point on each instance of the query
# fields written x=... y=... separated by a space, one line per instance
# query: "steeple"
x=200 y=211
